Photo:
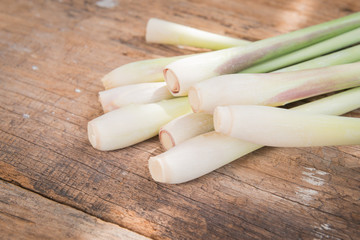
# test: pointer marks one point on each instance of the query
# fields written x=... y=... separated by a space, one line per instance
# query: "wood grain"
x=27 y=215
x=53 y=54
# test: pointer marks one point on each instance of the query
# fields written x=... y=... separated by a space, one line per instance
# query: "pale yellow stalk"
x=133 y=94
x=166 y=32
x=278 y=127
x=185 y=127
x=134 y=123
x=271 y=89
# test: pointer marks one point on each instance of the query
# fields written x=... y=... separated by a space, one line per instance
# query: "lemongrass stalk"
x=179 y=131
x=348 y=55
x=138 y=72
x=182 y=74
x=329 y=45
x=271 y=89
x=279 y=127
x=207 y=152
x=143 y=71
x=196 y=157
x=135 y=93
x=185 y=127
x=336 y=104
x=133 y=123
x=165 y=32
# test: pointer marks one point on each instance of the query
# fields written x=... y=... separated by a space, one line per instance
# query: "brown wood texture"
x=52 y=56
x=27 y=215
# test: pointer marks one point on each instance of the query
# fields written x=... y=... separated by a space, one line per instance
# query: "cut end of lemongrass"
x=223 y=120
x=185 y=127
x=157 y=170
x=194 y=99
x=151 y=29
x=107 y=80
x=93 y=135
x=106 y=104
x=166 y=139
x=171 y=81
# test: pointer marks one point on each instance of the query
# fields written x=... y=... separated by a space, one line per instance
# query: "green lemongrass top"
x=182 y=74
x=348 y=55
x=336 y=104
x=161 y=31
x=329 y=45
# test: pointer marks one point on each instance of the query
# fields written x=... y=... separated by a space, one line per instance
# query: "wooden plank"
x=26 y=215
x=52 y=49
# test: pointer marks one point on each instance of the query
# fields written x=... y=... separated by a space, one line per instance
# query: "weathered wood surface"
x=26 y=215
x=53 y=54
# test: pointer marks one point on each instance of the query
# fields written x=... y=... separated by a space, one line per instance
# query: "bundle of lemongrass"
x=233 y=91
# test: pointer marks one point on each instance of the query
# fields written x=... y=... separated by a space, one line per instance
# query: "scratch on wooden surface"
x=107 y=3
x=305 y=195
x=324 y=231
x=312 y=176
x=20 y=48
x=326 y=226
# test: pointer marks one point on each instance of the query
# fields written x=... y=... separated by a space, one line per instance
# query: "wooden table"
x=54 y=185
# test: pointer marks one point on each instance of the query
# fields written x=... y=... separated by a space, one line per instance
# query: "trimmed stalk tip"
x=156 y=169
x=166 y=139
x=194 y=99
x=171 y=81
x=223 y=120
x=92 y=134
x=185 y=127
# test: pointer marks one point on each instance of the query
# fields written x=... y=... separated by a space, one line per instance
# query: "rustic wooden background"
x=54 y=185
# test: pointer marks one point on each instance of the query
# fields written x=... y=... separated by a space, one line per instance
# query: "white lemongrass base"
x=196 y=157
x=165 y=32
x=133 y=94
x=184 y=128
x=133 y=123
x=138 y=72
